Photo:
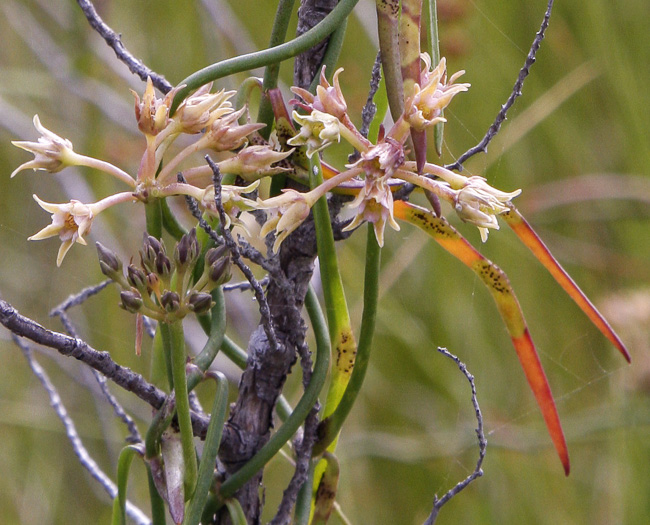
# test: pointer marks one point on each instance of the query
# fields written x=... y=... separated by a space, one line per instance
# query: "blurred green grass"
x=411 y=434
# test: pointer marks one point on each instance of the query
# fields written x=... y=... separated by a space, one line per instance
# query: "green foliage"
x=410 y=433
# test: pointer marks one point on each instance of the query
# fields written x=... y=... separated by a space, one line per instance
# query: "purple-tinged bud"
x=186 y=250
x=200 y=302
x=163 y=265
x=131 y=300
x=219 y=272
x=214 y=254
x=170 y=301
x=136 y=277
x=109 y=263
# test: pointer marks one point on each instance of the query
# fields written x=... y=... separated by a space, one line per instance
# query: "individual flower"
x=225 y=134
x=232 y=200
x=478 y=203
x=328 y=99
x=374 y=204
x=151 y=112
x=51 y=153
x=70 y=221
x=381 y=160
x=289 y=210
x=202 y=108
x=318 y=130
x=432 y=95
x=255 y=162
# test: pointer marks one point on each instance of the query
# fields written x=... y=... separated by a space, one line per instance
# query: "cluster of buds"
x=161 y=286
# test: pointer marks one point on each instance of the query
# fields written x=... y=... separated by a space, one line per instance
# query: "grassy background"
x=579 y=132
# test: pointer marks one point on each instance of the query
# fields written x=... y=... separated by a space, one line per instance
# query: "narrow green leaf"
x=210 y=450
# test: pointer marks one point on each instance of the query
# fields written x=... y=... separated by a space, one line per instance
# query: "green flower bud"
x=200 y=302
x=187 y=250
x=109 y=263
x=170 y=301
x=136 y=277
x=131 y=300
x=219 y=272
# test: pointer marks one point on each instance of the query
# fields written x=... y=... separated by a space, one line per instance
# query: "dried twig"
x=114 y=40
x=60 y=312
x=482 y=444
x=100 y=361
x=77 y=445
x=265 y=312
x=516 y=92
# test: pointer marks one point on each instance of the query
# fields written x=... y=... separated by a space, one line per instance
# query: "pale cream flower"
x=232 y=200
x=202 y=108
x=425 y=107
x=51 y=153
x=70 y=221
x=225 y=134
x=152 y=113
x=255 y=162
x=318 y=130
x=288 y=211
x=328 y=99
x=478 y=203
x=381 y=160
x=374 y=204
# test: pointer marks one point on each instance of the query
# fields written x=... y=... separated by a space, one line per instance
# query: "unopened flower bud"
x=219 y=271
x=153 y=282
x=200 y=302
x=109 y=263
x=136 y=277
x=163 y=265
x=131 y=300
x=151 y=247
x=214 y=254
x=170 y=301
x=187 y=250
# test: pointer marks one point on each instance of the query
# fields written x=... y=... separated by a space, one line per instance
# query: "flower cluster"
x=160 y=286
x=217 y=126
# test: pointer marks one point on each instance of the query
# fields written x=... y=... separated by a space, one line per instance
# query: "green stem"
x=210 y=450
x=336 y=305
x=153 y=214
x=123 y=467
x=268 y=56
x=170 y=222
x=433 y=39
x=272 y=71
x=303 y=502
x=304 y=406
x=332 y=425
x=157 y=503
x=331 y=56
x=215 y=339
x=174 y=341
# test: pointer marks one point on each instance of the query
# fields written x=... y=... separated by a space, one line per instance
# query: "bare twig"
x=193 y=206
x=516 y=92
x=100 y=361
x=114 y=40
x=60 y=312
x=265 y=312
x=77 y=445
x=244 y=285
x=78 y=298
x=482 y=444
x=370 y=108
